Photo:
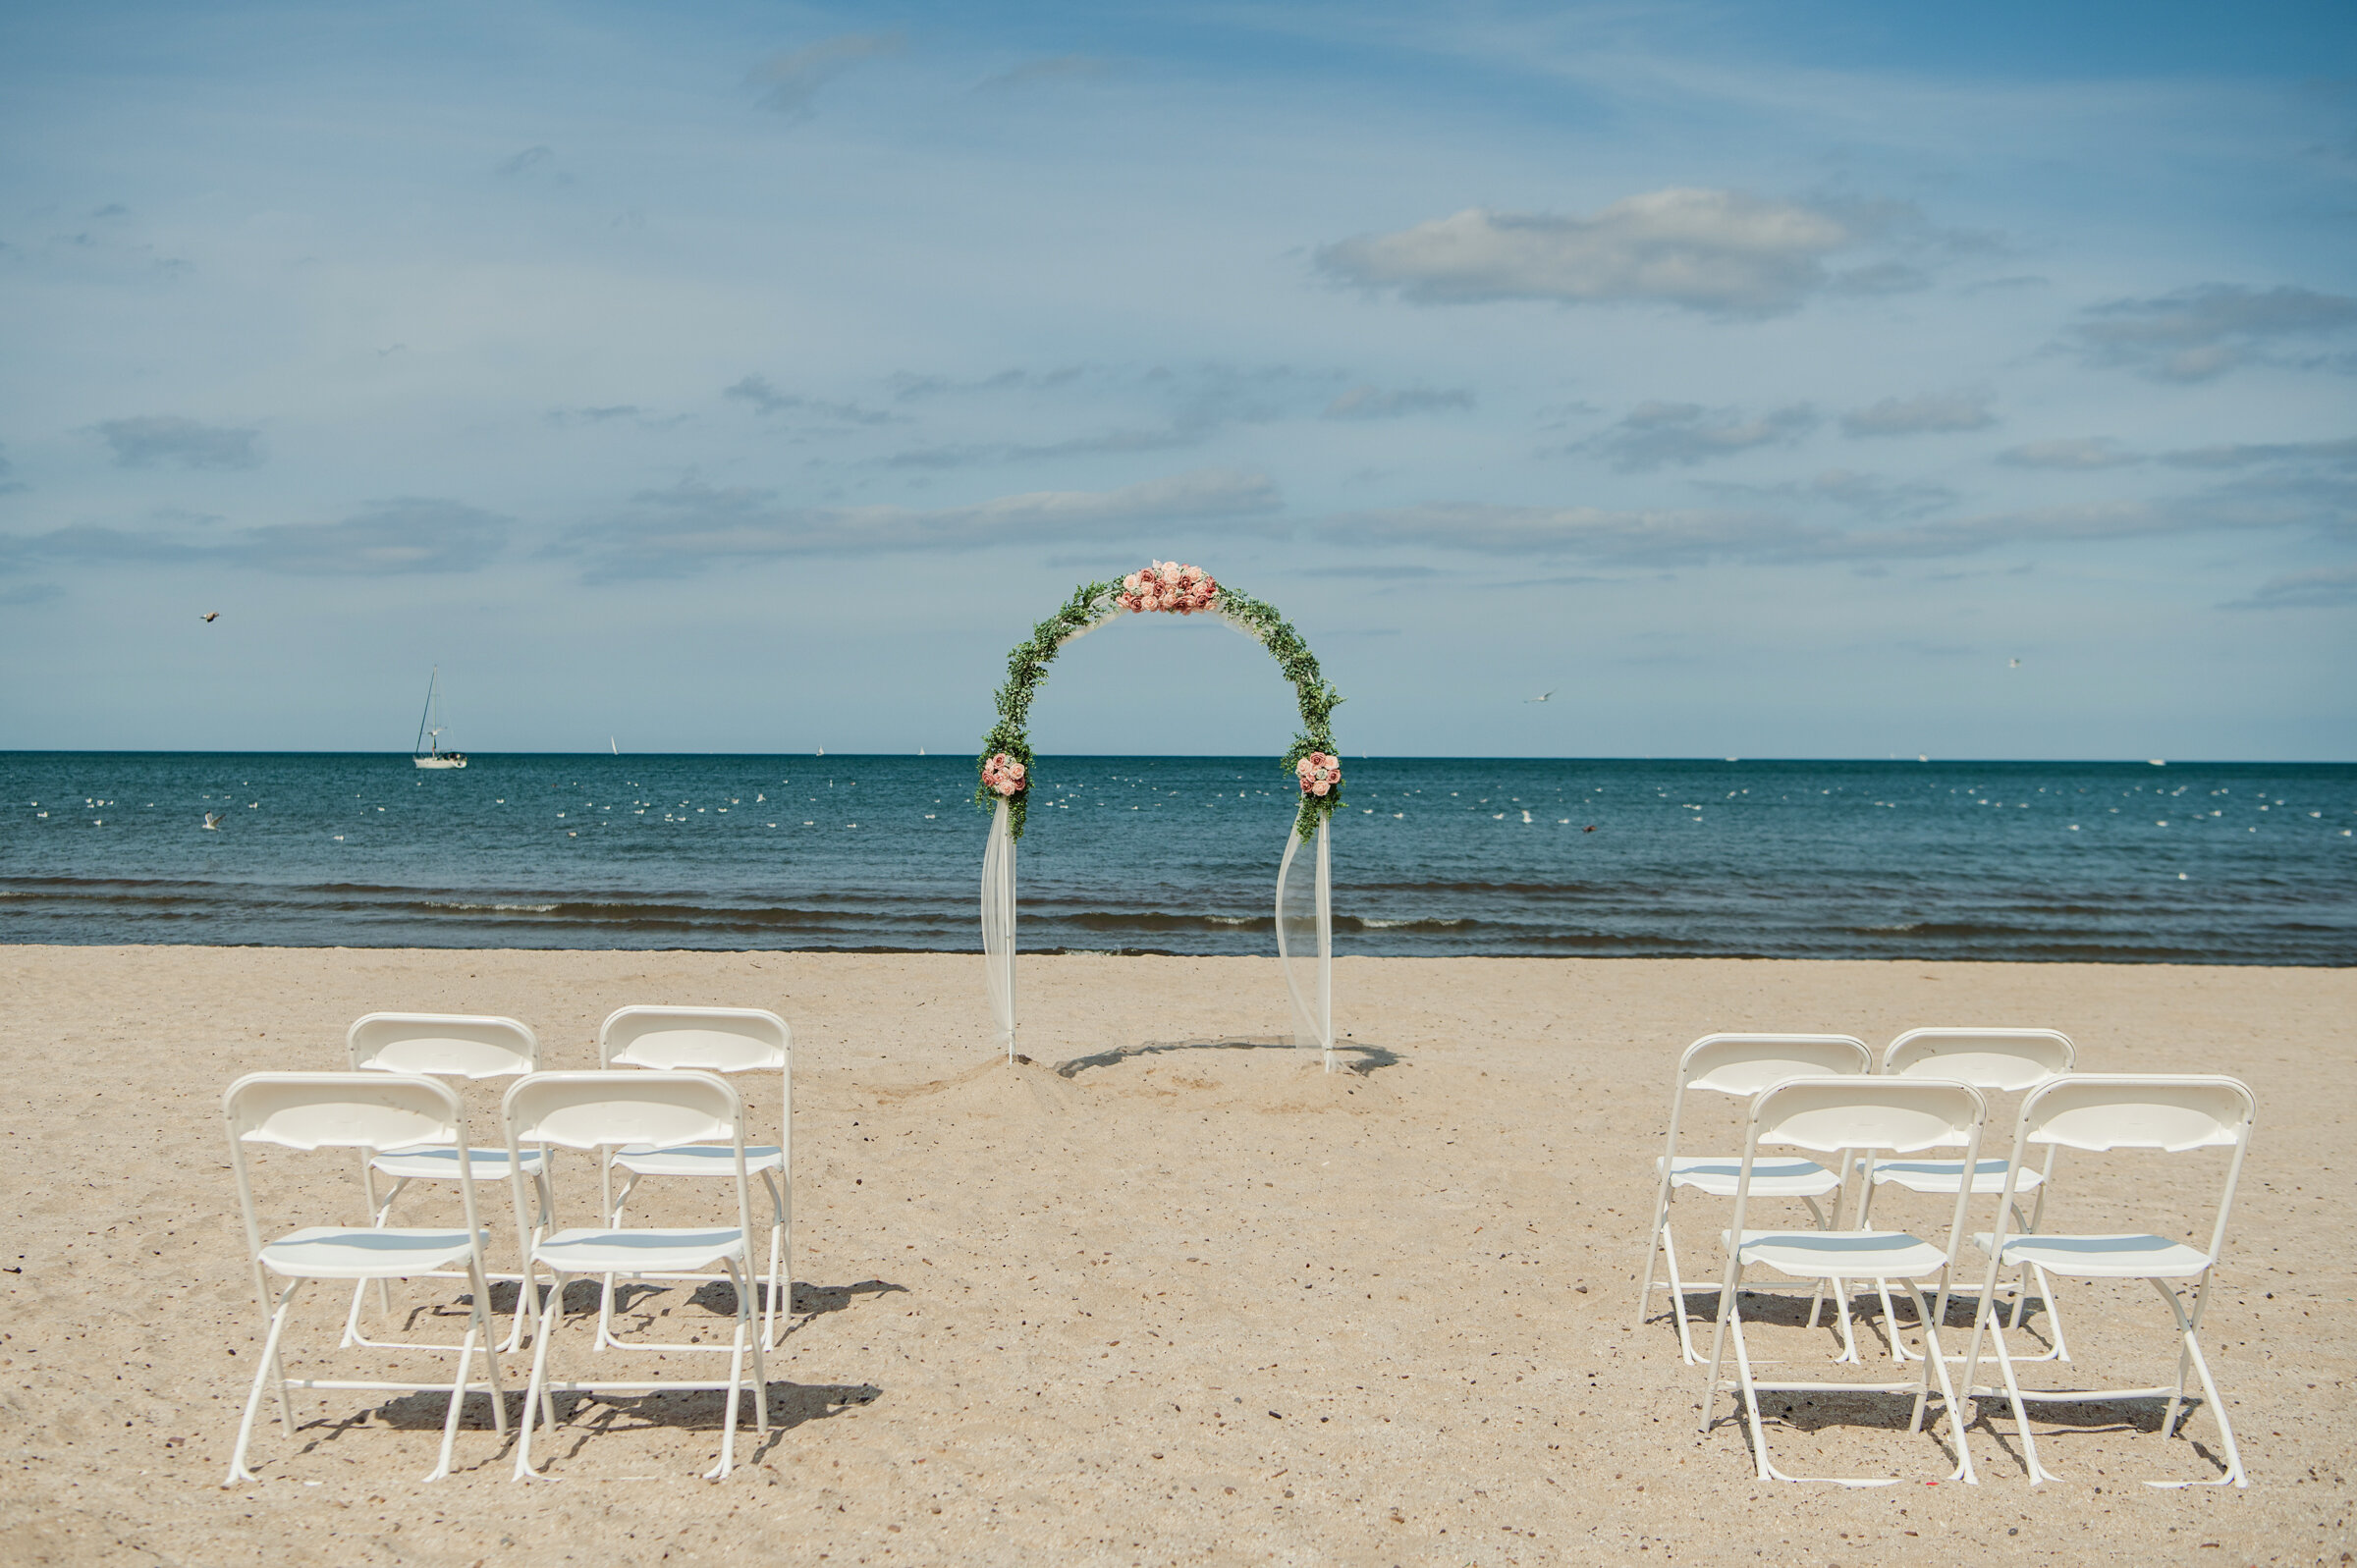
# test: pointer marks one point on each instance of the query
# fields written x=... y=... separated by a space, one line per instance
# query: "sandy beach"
x=1166 y=1295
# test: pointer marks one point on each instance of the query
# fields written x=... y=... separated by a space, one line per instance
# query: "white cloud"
x=1722 y=252
x=1928 y=413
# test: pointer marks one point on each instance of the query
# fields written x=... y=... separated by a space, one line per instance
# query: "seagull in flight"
x=210 y=615
x=1543 y=696
x=2012 y=664
x=213 y=821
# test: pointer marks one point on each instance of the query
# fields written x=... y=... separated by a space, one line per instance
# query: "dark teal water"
x=2196 y=862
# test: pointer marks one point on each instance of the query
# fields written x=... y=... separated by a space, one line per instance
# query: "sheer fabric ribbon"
x=998 y=924
x=1305 y=943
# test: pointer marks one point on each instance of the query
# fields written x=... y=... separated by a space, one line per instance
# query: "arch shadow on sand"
x=1350 y=1055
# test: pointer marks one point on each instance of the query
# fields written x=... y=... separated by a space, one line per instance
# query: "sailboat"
x=428 y=752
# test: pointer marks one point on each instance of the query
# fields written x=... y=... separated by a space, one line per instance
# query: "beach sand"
x=1168 y=1294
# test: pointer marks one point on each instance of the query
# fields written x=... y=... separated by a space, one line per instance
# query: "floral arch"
x=1007 y=775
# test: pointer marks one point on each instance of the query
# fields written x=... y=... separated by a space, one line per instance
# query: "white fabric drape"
x=1305 y=944
x=998 y=924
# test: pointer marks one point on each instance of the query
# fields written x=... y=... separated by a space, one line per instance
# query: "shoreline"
x=1169 y=1285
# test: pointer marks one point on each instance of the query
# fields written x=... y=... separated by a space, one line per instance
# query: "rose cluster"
x=1167 y=586
x=1320 y=772
x=1003 y=776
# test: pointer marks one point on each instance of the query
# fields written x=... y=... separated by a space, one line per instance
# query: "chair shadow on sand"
x=1815 y=1413
x=790 y=1404
x=1350 y=1055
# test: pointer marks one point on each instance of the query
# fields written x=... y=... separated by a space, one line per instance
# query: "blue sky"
x=1761 y=380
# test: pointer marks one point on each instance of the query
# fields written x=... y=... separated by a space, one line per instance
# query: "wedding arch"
x=1169 y=588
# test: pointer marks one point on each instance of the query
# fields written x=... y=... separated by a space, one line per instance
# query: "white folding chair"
x=727 y=1041
x=1843 y=1116
x=2100 y=1112
x=1994 y=1062
x=306 y=1110
x=600 y=1112
x=1741 y=1065
x=436 y=1045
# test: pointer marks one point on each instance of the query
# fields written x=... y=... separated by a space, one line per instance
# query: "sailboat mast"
x=428 y=714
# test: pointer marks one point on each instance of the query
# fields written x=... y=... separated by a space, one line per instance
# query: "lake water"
x=2191 y=862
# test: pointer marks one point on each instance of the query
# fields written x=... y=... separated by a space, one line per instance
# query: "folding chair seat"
x=2105 y=1113
x=437 y=1045
x=1843 y=1116
x=727 y=1041
x=600 y=1112
x=365 y=1112
x=1994 y=1062
x=1739 y=1066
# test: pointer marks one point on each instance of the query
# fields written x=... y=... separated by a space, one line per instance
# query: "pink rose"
x=1319 y=787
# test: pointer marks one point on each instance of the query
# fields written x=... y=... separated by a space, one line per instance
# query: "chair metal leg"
x=1677 y=1295
x=2190 y=1349
x=264 y=1365
x=536 y=1400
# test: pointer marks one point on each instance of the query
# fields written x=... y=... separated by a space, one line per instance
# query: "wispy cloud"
x=1049 y=72
x=153 y=439
x=1366 y=402
x=2244 y=455
x=692 y=525
x=766 y=399
x=789 y=82
x=2323 y=506
x=1928 y=413
x=2203 y=332
x=908 y=387
x=1642 y=538
x=1867 y=494
x=1656 y=435
x=1720 y=252
x=2071 y=454
x=533 y=164
x=2318 y=588
x=408 y=535
x=569 y=418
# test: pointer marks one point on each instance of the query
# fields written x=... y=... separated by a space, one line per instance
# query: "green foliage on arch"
x=1091 y=606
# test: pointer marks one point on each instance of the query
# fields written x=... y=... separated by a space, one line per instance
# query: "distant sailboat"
x=611 y=746
x=428 y=752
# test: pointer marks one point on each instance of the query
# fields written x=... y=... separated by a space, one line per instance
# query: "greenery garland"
x=1091 y=606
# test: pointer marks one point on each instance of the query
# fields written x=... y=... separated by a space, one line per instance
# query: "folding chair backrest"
x=1745 y=1065
x=1900 y=1115
x=2004 y=1061
x=340 y=1110
x=595 y=1109
x=705 y=1039
x=369 y=1110
x=2169 y=1113
x=2099 y=1112
x=443 y=1045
